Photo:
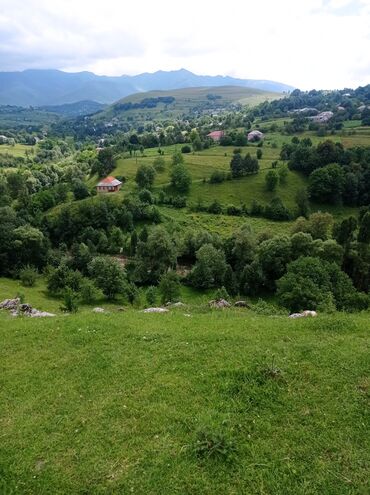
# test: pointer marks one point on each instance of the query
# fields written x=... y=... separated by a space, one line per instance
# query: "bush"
x=257 y=209
x=146 y=197
x=276 y=210
x=28 y=276
x=262 y=307
x=217 y=177
x=151 y=295
x=259 y=154
x=215 y=207
x=70 y=299
x=221 y=294
x=180 y=178
x=159 y=164
x=186 y=149
x=169 y=287
x=88 y=291
x=109 y=276
x=272 y=180
x=179 y=202
x=234 y=211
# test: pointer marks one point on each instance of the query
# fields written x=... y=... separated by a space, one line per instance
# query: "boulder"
x=241 y=304
x=40 y=314
x=98 y=310
x=304 y=314
x=25 y=308
x=309 y=313
x=10 y=304
x=175 y=305
x=155 y=310
x=16 y=308
x=296 y=315
x=219 y=303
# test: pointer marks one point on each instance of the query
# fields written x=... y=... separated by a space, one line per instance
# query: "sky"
x=322 y=44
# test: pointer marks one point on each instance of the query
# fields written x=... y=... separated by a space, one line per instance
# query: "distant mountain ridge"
x=54 y=87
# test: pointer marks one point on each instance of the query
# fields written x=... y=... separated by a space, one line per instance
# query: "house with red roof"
x=216 y=135
x=109 y=184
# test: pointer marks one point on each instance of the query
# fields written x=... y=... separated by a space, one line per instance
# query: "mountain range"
x=54 y=87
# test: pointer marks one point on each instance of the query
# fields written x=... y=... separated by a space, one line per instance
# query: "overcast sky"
x=305 y=43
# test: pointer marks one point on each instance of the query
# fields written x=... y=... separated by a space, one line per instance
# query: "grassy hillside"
x=186 y=101
x=16 y=150
x=238 y=191
x=194 y=401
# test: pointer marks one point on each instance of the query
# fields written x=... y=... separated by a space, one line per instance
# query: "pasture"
x=16 y=150
x=193 y=401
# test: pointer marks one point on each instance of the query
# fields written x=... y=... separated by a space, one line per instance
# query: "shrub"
x=234 y=211
x=159 y=164
x=259 y=154
x=257 y=209
x=276 y=210
x=179 y=202
x=108 y=276
x=88 y=291
x=186 y=149
x=151 y=295
x=215 y=207
x=21 y=297
x=28 y=276
x=262 y=307
x=221 y=294
x=217 y=177
x=180 y=178
x=146 y=196
x=283 y=173
x=272 y=180
x=70 y=300
x=169 y=287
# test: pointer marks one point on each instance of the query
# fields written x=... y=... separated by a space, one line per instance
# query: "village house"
x=255 y=136
x=216 y=135
x=108 y=185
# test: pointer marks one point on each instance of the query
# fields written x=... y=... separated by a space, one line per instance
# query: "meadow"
x=187 y=100
x=236 y=192
x=16 y=150
x=194 y=401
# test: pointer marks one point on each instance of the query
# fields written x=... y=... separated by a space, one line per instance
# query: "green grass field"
x=202 y=164
x=16 y=150
x=186 y=101
x=218 y=402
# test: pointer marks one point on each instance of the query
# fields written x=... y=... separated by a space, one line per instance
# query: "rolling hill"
x=182 y=102
x=55 y=87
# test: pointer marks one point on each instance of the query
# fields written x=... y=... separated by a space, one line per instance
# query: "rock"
x=309 y=313
x=241 y=304
x=121 y=308
x=98 y=310
x=175 y=305
x=155 y=310
x=296 y=315
x=304 y=314
x=219 y=303
x=16 y=309
x=25 y=308
x=40 y=314
x=10 y=304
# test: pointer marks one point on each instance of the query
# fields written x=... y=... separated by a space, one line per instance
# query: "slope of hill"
x=134 y=402
x=55 y=87
x=77 y=109
x=181 y=102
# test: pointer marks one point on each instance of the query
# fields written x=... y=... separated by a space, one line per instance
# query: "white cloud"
x=307 y=43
